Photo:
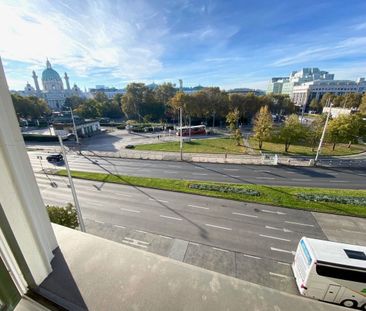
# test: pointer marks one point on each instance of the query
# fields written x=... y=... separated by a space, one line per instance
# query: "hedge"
x=225 y=189
x=332 y=198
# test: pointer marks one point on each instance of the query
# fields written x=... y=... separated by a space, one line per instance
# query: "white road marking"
x=273 y=237
x=169 y=217
x=279 y=229
x=170 y=172
x=246 y=215
x=264 y=178
x=141 y=231
x=118 y=226
x=263 y=171
x=129 y=210
x=250 y=256
x=162 y=201
x=282 y=250
x=298 y=223
x=283 y=263
x=135 y=242
x=218 y=227
x=122 y=194
x=200 y=174
x=193 y=243
x=272 y=212
x=99 y=222
x=196 y=206
x=279 y=275
x=220 y=249
x=235 y=176
x=353 y=231
x=231 y=169
x=335 y=181
x=301 y=179
x=165 y=237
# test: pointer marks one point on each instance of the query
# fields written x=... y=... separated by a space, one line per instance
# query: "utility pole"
x=323 y=134
x=181 y=132
x=73 y=123
x=73 y=191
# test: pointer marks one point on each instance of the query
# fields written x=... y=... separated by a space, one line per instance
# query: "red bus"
x=195 y=130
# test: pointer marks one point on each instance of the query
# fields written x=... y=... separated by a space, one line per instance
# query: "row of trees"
x=349 y=100
x=343 y=129
x=30 y=107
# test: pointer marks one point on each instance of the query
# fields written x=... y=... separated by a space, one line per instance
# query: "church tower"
x=35 y=78
x=67 y=81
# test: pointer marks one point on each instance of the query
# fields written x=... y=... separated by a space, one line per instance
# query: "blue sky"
x=212 y=43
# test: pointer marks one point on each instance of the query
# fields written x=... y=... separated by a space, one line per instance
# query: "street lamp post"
x=323 y=134
x=72 y=186
x=74 y=126
x=181 y=133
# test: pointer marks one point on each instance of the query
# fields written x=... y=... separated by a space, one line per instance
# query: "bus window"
x=341 y=273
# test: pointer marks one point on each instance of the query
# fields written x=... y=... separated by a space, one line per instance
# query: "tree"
x=232 y=119
x=362 y=106
x=73 y=102
x=315 y=105
x=64 y=216
x=291 y=131
x=101 y=97
x=89 y=109
x=263 y=124
x=30 y=107
x=345 y=129
x=352 y=100
x=315 y=131
x=164 y=92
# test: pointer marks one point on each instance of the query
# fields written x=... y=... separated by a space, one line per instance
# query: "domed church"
x=53 y=89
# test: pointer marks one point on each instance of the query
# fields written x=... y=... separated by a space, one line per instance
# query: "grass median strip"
x=272 y=195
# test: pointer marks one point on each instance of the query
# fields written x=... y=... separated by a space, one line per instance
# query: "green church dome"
x=49 y=74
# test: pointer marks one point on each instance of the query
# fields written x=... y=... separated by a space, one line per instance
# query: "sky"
x=222 y=43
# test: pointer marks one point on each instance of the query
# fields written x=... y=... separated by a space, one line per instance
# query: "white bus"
x=330 y=271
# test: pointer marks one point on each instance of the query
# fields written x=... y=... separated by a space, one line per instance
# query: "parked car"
x=130 y=147
x=55 y=158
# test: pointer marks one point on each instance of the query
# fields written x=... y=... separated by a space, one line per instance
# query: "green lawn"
x=341 y=149
x=211 y=145
x=272 y=195
x=228 y=145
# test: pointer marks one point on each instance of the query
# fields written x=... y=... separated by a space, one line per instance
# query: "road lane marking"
x=272 y=212
x=353 y=231
x=129 y=210
x=279 y=229
x=264 y=178
x=335 y=181
x=274 y=237
x=231 y=169
x=170 y=172
x=118 y=226
x=282 y=250
x=283 y=263
x=235 y=176
x=141 y=231
x=246 y=215
x=250 y=256
x=197 y=206
x=162 y=201
x=218 y=227
x=220 y=249
x=193 y=243
x=169 y=217
x=165 y=237
x=279 y=275
x=135 y=242
x=298 y=223
x=301 y=179
x=122 y=194
x=199 y=174
x=99 y=222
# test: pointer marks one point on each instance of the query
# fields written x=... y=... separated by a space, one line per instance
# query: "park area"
x=229 y=145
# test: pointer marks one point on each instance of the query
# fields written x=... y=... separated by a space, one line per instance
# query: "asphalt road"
x=222 y=235
x=350 y=178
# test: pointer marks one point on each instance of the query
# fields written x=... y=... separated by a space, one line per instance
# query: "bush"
x=225 y=189
x=64 y=216
x=332 y=198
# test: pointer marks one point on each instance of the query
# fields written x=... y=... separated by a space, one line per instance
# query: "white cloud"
x=100 y=36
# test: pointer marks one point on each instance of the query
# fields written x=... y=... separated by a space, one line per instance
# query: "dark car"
x=130 y=147
x=55 y=158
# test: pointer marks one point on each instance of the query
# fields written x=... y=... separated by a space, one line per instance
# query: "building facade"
x=304 y=93
x=53 y=91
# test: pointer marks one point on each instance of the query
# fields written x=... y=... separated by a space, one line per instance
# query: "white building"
x=53 y=88
x=302 y=94
x=285 y=85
